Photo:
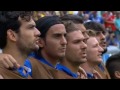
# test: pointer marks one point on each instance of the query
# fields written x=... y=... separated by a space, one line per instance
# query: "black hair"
x=74 y=18
x=43 y=24
x=10 y=20
x=94 y=26
x=113 y=64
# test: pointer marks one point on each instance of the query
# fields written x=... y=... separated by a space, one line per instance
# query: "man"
x=18 y=38
x=75 y=51
x=52 y=45
x=78 y=22
x=100 y=31
x=94 y=52
x=113 y=66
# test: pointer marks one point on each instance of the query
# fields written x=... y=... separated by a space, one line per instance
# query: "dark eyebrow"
x=80 y=39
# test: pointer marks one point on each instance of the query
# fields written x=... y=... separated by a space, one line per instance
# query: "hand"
x=8 y=61
x=82 y=74
x=96 y=75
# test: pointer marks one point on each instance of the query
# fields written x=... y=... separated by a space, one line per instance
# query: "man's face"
x=55 y=41
x=83 y=30
x=94 y=51
x=101 y=39
x=27 y=38
x=76 y=48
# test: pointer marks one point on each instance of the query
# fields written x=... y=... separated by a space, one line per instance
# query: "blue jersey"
x=36 y=56
x=66 y=70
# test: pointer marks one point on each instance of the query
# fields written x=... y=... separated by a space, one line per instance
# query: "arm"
x=8 y=61
x=82 y=74
x=97 y=75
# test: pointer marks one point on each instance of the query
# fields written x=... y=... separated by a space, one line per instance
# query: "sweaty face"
x=27 y=38
x=76 y=48
x=55 y=41
x=83 y=30
x=94 y=51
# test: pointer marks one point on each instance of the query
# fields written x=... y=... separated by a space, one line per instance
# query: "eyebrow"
x=59 y=33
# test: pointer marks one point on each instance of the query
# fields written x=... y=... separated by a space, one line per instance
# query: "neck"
x=15 y=53
x=88 y=67
x=72 y=66
x=49 y=58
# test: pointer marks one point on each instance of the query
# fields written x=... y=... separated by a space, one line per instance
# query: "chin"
x=83 y=60
x=35 y=49
x=62 y=55
x=99 y=61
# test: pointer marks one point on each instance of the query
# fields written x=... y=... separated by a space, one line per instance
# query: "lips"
x=37 y=41
x=63 y=49
x=83 y=54
x=100 y=55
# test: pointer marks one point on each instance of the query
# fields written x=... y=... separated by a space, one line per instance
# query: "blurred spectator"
x=99 y=13
x=109 y=19
x=72 y=12
x=117 y=24
x=86 y=18
x=87 y=12
x=111 y=39
x=81 y=14
x=112 y=43
x=96 y=18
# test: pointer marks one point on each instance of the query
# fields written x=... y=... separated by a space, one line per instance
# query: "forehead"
x=57 y=28
x=25 y=23
x=92 y=41
x=81 y=27
x=75 y=35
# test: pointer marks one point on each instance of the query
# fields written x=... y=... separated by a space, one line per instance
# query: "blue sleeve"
x=102 y=21
x=28 y=64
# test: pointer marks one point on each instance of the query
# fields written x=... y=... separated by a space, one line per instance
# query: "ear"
x=117 y=74
x=41 y=43
x=11 y=35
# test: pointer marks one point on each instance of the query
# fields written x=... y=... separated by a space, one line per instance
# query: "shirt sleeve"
x=28 y=64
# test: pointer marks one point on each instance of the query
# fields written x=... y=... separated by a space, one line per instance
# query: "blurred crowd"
x=109 y=19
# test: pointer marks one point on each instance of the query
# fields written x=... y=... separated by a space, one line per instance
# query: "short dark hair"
x=91 y=33
x=70 y=26
x=94 y=26
x=10 y=20
x=113 y=64
x=74 y=18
